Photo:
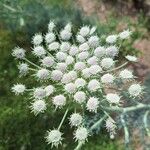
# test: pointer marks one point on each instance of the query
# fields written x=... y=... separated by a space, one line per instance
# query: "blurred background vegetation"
x=19 y=20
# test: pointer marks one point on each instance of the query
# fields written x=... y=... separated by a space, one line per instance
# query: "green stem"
x=32 y=63
x=146 y=123
x=63 y=119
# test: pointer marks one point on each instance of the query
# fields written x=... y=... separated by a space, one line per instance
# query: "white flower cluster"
x=74 y=73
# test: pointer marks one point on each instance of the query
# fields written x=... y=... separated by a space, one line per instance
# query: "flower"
x=18 y=89
x=92 y=104
x=84 y=47
x=56 y=75
x=93 y=41
x=94 y=85
x=66 y=78
x=79 y=97
x=95 y=69
x=61 y=56
x=112 y=51
x=126 y=74
x=131 y=58
x=83 y=55
x=125 y=34
x=65 y=46
x=59 y=100
x=65 y=35
x=69 y=60
x=93 y=29
x=99 y=51
x=92 y=60
x=84 y=31
x=81 y=134
x=53 y=46
x=43 y=74
x=75 y=119
x=61 y=66
x=107 y=63
x=54 y=137
x=49 y=90
x=23 y=68
x=39 y=93
x=68 y=27
x=51 y=26
x=47 y=61
x=37 y=39
x=73 y=75
x=70 y=88
x=135 y=90
x=80 y=38
x=86 y=73
x=50 y=37
x=39 y=51
x=19 y=53
x=111 y=39
x=38 y=106
x=79 y=82
x=113 y=98
x=107 y=78
x=73 y=50
x=79 y=66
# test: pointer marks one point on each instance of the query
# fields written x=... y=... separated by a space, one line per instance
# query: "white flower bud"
x=65 y=35
x=56 y=75
x=70 y=88
x=50 y=37
x=131 y=58
x=113 y=98
x=37 y=39
x=84 y=47
x=39 y=51
x=69 y=60
x=94 y=85
x=39 y=93
x=59 y=101
x=93 y=29
x=107 y=63
x=23 y=68
x=47 y=61
x=80 y=38
x=61 y=66
x=43 y=74
x=38 y=106
x=126 y=74
x=49 y=90
x=51 y=26
x=86 y=73
x=80 y=82
x=54 y=137
x=135 y=90
x=84 y=31
x=125 y=34
x=19 y=53
x=111 y=39
x=61 y=56
x=68 y=27
x=107 y=78
x=65 y=46
x=95 y=69
x=79 y=97
x=93 y=41
x=73 y=75
x=83 y=55
x=18 y=89
x=112 y=51
x=75 y=119
x=99 y=51
x=81 y=134
x=92 y=60
x=79 y=66
x=73 y=50
x=92 y=104
x=53 y=46
x=66 y=78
